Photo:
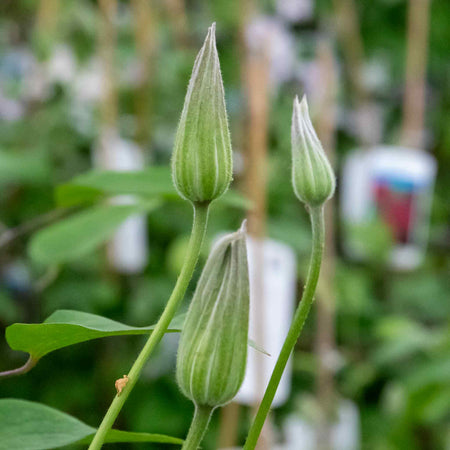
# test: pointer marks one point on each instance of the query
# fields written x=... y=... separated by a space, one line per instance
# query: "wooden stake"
x=178 y=18
x=229 y=422
x=325 y=339
x=47 y=15
x=145 y=44
x=416 y=62
x=349 y=34
x=257 y=88
x=46 y=25
x=107 y=42
x=255 y=79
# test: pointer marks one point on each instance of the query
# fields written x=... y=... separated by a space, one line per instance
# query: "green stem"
x=318 y=232
x=195 y=242
x=198 y=427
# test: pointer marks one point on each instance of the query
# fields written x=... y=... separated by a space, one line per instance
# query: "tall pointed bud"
x=213 y=346
x=312 y=176
x=202 y=157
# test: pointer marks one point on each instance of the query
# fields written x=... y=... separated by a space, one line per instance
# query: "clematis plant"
x=202 y=172
x=213 y=345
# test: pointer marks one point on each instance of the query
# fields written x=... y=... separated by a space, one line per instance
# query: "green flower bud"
x=312 y=176
x=213 y=346
x=202 y=158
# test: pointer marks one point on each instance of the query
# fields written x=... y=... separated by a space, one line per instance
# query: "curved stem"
x=195 y=242
x=198 y=427
x=318 y=232
x=31 y=362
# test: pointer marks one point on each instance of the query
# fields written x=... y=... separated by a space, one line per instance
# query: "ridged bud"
x=213 y=345
x=202 y=158
x=312 y=176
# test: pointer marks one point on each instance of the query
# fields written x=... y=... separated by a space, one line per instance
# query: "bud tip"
x=243 y=228
x=313 y=177
x=304 y=104
x=211 y=35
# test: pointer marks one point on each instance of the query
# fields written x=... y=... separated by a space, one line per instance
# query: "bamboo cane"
x=416 y=61
x=325 y=336
x=143 y=15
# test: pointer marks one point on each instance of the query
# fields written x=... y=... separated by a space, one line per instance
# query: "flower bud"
x=213 y=345
x=202 y=157
x=312 y=176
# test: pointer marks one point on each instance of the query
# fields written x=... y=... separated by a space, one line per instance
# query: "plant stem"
x=318 y=232
x=31 y=362
x=198 y=427
x=195 y=242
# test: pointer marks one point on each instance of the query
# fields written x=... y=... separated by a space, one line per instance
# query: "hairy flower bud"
x=312 y=176
x=202 y=157
x=213 y=346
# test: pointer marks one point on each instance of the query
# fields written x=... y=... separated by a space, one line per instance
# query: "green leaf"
x=402 y=337
x=82 y=232
x=433 y=372
x=234 y=199
x=155 y=181
x=28 y=168
x=66 y=327
x=69 y=195
x=129 y=436
x=151 y=182
x=27 y=425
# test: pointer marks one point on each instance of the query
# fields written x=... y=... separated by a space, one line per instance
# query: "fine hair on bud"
x=212 y=352
x=202 y=158
x=312 y=176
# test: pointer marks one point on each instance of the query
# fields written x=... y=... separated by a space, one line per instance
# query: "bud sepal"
x=312 y=176
x=212 y=352
x=202 y=157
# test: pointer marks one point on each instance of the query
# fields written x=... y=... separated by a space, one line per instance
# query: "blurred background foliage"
x=392 y=329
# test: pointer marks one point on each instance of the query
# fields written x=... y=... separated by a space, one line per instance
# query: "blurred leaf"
x=372 y=239
x=82 y=232
x=234 y=199
x=23 y=168
x=401 y=338
x=422 y=294
x=289 y=232
x=432 y=372
x=436 y=405
x=355 y=291
x=68 y=195
x=155 y=181
x=27 y=425
x=9 y=310
x=66 y=327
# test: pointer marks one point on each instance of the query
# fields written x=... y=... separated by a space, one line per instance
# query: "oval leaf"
x=65 y=327
x=28 y=425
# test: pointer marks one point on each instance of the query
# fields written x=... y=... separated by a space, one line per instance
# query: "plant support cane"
x=202 y=137
x=314 y=183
